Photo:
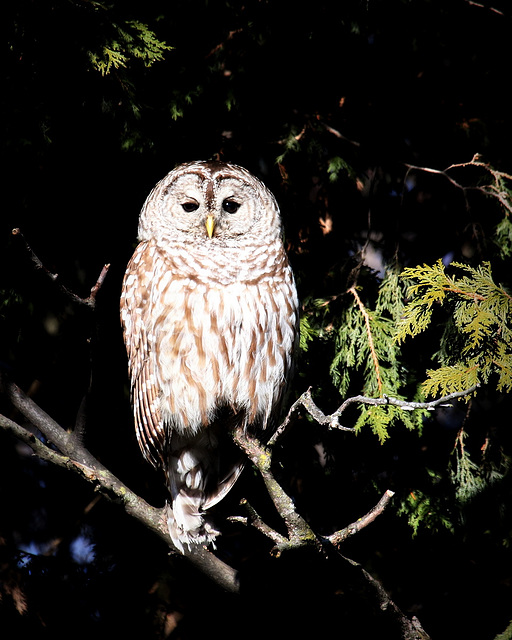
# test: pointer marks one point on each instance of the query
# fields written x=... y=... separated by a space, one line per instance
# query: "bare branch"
x=299 y=531
x=332 y=420
x=73 y=456
x=306 y=401
x=495 y=190
x=99 y=282
x=53 y=432
x=340 y=536
x=255 y=520
x=39 y=448
x=483 y=6
x=339 y=135
x=90 y=301
x=406 y=405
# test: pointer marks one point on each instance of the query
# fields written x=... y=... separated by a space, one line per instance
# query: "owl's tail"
x=198 y=477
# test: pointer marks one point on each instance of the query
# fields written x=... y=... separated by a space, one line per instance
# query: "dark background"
x=380 y=85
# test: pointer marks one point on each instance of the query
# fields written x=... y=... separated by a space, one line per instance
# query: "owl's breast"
x=222 y=344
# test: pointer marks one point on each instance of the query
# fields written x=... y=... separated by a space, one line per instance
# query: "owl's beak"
x=210 y=225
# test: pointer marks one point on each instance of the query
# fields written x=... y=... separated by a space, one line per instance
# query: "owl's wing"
x=135 y=318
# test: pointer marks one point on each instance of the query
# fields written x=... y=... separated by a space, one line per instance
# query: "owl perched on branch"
x=210 y=314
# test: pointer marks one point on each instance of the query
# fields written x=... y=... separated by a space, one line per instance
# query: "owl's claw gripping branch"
x=73 y=456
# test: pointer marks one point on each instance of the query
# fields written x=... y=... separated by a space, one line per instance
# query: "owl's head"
x=206 y=201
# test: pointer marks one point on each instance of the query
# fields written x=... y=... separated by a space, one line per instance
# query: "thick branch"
x=53 y=432
x=73 y=456
x=92 y=471
x=299 y=532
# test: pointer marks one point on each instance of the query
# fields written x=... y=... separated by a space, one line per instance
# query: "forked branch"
x=69 y=453
x=332 y=420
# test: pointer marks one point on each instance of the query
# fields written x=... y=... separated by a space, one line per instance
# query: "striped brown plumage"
x=209 y=312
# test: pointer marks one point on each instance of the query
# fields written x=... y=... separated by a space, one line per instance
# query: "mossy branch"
x=65 y=450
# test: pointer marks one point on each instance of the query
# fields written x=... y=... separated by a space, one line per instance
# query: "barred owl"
x=209 y=312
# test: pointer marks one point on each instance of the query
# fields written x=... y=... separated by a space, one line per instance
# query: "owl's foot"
x=189 y=529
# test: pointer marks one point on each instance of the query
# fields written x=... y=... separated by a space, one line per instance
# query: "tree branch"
x=73 y=456
x=495 y=190
x=299 y=532
x=90 y=301
x=340 y=536
x=332 y=420
x=67 y=451
x=406 y=405
x=257 y=522
x=410 y=629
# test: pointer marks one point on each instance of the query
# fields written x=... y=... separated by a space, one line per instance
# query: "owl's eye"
x=190 y=206
x=230 y=206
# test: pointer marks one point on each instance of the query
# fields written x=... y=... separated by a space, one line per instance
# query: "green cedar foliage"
x=477 y=340
x=474 y=314
x=507 y=634
x=131 y=40
x=367 y=358
x=429 y=510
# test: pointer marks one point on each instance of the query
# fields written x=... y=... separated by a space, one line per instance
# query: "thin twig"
x=407 y=405
x=483 y=6
x=340 y=536
x=98 y=284
x=90 y=301
x=488 y=189
x=339 y=135
x=257 y=522
x=332 y=420
x=371 y=344
x=306 y=401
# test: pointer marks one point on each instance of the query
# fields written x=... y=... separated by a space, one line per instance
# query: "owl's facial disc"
x=218 y=208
